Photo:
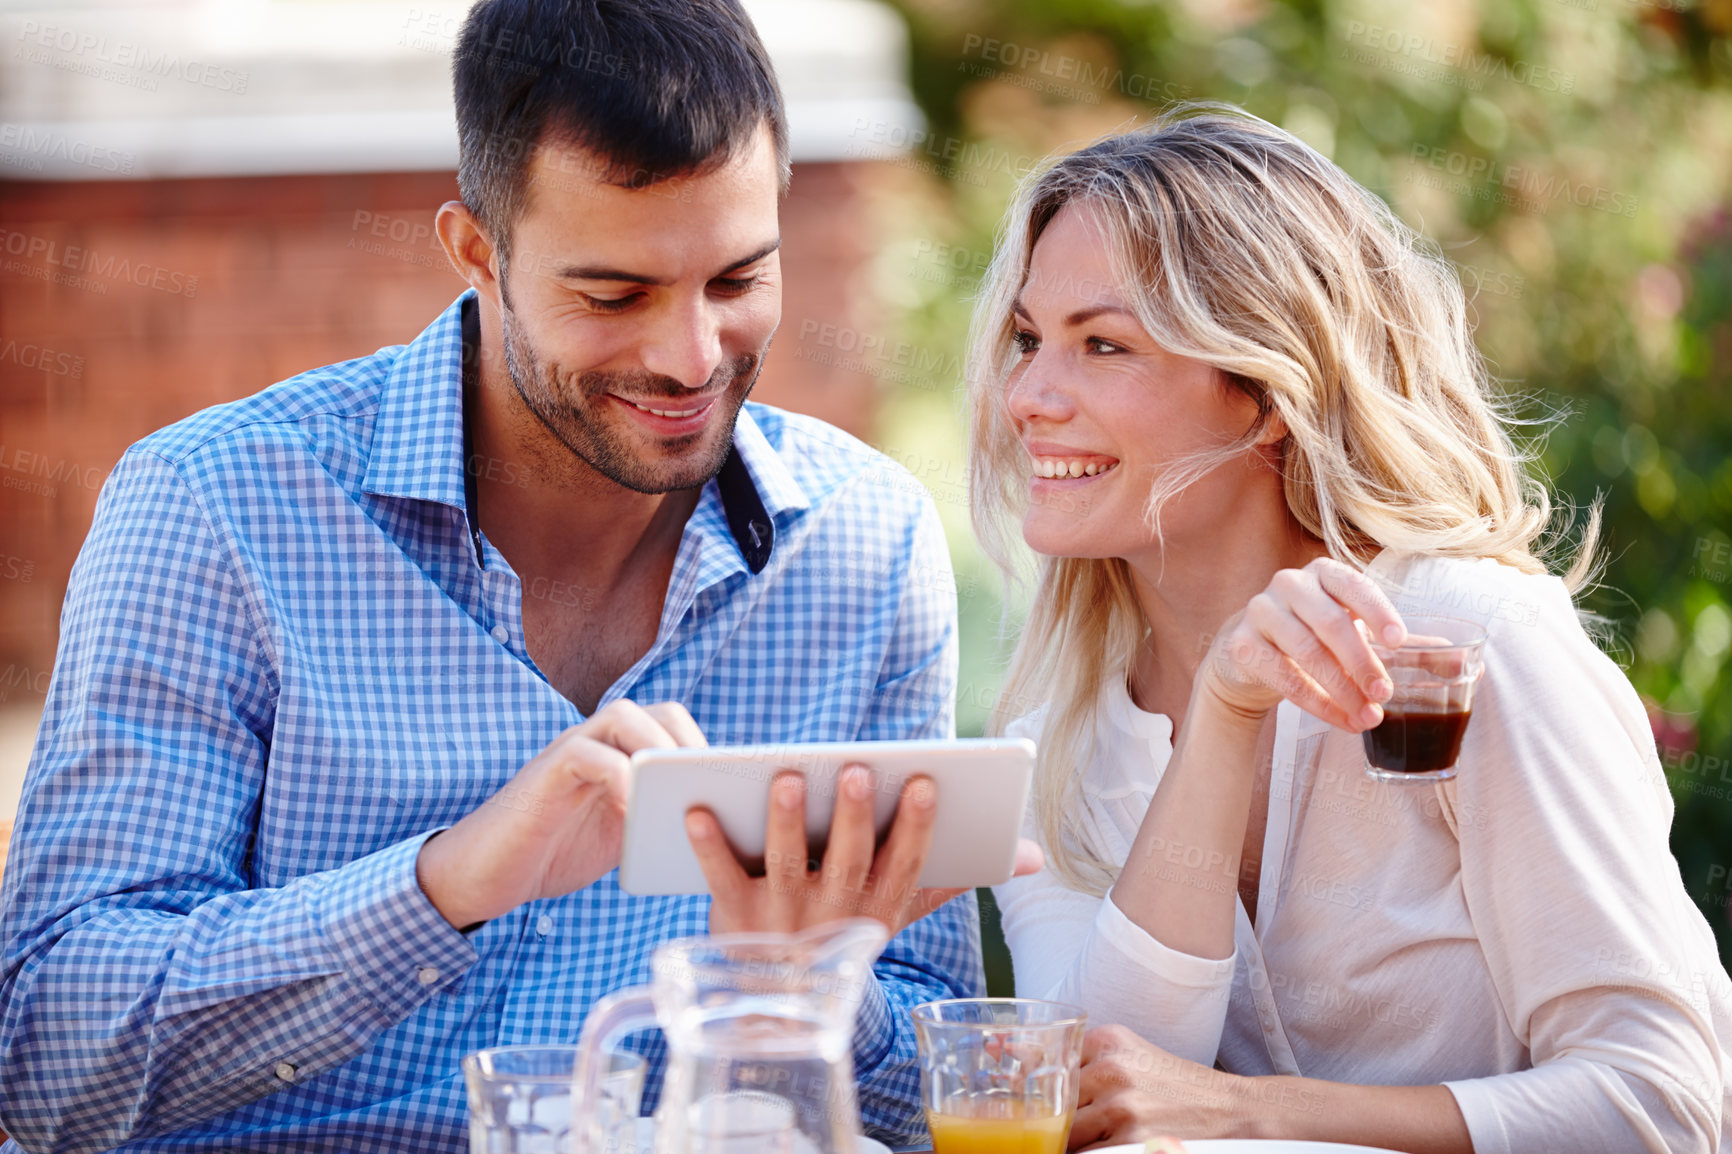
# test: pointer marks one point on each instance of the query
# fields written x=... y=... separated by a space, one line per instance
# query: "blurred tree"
x=1573 y=157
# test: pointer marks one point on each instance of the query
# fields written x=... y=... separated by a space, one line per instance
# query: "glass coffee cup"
x=1433 y=672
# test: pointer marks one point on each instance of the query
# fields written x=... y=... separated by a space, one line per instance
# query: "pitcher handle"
x=609 y=1019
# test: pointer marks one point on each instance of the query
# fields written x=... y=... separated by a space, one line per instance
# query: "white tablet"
x=982 y=785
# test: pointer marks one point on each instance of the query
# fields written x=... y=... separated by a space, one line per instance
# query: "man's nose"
x=685 y=344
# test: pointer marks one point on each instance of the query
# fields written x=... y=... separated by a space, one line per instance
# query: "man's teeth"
x=1053 y=467
x=664 y=412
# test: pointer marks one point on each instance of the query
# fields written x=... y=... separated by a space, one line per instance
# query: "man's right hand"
x=556 y=825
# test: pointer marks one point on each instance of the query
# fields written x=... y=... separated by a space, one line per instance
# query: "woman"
x=1234 y=405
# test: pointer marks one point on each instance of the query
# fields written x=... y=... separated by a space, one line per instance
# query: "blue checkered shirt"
x=283 y=665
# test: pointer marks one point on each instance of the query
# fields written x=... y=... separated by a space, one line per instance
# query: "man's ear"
x=469 y=248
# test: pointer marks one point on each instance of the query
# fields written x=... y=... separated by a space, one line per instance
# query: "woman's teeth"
x=1054 y=468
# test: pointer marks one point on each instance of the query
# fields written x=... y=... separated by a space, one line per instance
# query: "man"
x=328 y=791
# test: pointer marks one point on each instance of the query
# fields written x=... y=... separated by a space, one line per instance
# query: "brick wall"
x=127 y=305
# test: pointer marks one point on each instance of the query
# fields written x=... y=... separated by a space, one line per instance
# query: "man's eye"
x=610 y=304
x=1024 y=341
x=734 y=286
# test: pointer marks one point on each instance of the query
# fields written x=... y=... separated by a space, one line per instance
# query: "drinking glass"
x=1434 y=673
x=999 y=1074
x=520 y=1100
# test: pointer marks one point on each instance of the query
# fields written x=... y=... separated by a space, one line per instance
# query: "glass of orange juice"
x=999 y=1075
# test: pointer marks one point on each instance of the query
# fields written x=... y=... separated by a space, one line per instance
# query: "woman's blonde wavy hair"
x=1236 y=244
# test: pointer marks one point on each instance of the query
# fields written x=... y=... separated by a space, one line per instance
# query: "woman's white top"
x=1520 y=933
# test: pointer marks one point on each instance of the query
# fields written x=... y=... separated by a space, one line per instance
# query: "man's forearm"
x=203 y=1012
x=936 y=957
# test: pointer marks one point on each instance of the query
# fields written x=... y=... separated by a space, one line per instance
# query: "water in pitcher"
x=760 y=1030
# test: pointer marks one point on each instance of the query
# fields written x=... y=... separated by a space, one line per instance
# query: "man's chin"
x=661 y=467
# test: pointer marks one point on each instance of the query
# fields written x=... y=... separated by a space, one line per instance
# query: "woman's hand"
x=1134 y=1091
x=1302 y=639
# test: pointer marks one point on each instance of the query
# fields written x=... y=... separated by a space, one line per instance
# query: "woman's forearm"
x=1415 y=1119
x=1180 y=882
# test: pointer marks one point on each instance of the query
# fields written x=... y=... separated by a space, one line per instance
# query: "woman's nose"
x=1036 y=393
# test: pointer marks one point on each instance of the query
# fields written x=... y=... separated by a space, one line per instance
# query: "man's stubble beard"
x=548 y=395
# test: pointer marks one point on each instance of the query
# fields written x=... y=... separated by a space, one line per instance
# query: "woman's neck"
x=1188 y=589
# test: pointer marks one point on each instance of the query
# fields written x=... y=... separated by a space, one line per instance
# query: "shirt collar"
x=417 y=447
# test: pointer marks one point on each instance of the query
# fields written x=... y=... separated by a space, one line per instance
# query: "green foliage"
x=1571 y=156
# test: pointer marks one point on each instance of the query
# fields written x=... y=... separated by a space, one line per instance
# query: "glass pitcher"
x=760 y=1035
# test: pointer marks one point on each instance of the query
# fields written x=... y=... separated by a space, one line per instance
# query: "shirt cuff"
x=874 y=1028
x=392 y=942
x=1479 y=1109
x=1188 y=970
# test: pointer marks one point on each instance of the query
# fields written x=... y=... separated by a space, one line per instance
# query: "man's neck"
x=545 y=509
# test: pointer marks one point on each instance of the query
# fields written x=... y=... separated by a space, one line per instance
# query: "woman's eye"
x=1098 y=345
x=1024 y=341
x=610 y=304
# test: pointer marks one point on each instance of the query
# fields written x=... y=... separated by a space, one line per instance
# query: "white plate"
x=646 y=1137
x=1254 y=1146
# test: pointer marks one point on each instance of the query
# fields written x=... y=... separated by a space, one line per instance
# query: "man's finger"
x=673 y=718
x=629 y=727
x=785 y=851
x=897 y=868
x=1030 y=858
x=722 y=870
x=927 y=901
x=853 y=838
x=581 y=760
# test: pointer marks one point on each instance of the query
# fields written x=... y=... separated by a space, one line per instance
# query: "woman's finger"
x=1363 y=596
x=853 y=838
x=1294 y=647
x=1337 y=629
x=1089 y=1126
x=1297 y=686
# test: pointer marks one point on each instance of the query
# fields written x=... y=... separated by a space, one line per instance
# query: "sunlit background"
x=198 y=200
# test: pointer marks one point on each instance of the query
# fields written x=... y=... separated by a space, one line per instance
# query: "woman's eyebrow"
x=1080 y=317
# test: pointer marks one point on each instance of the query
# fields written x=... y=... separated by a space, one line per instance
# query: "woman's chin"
x=1066 y=540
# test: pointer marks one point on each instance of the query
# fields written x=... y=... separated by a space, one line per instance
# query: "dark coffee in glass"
x=1433 y=674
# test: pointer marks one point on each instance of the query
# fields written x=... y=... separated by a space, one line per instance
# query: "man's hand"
x=556 y=825
x=853 y=881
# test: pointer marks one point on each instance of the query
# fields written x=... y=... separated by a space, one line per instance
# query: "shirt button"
x=285 y=1072
x=426 y=975
x=544 y=925
x=501 y=634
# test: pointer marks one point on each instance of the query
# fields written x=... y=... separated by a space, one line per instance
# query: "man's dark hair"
x=651 y=88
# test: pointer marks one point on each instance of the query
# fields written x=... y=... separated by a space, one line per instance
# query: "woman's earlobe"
x=1274 y=431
